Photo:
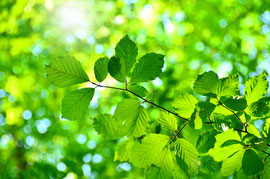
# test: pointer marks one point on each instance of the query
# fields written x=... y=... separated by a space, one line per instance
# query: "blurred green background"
x=227 y=36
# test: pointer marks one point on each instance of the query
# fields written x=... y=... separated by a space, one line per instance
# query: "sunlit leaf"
x=185 y=105
x=75 y=103
x=189 y=155
x=65 y=71
x=256 y=88
x=148 y=152
x=108 y=127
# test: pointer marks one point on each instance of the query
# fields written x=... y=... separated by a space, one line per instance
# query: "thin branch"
x=145 y=100
x=245 y=127
x=176 y=135
x=268 y=154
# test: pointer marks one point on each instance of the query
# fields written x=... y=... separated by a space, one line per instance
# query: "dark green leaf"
x=251 y=163
x=260 y=108
x=139 y=90
x=116 y=68
x=207 y=84
x=148 y=68
x=127 y=50
x=101 y=68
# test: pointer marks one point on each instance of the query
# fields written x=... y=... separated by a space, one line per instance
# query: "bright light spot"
x=224 y=69
x=81 y=139
x=265 y=29
x=179 y=16
x=48 y=4
x=99 y=48
x=42 y=125
x=61 y=166
x=199 y=46
x=91 y=144
x=91 y=40
x=119 y=19
x=70 y=39
x=87 y=158
x=169 y=27
x=86 y=169
x=30 y=140
x=265 y=17
x=258 y=124
x=27 y=129
x=94 y=103
x=2 y=120
x=27 y=114
x=157 y=82
x=97 y=158
x=5 y=139
x=194 y=64
x=2 y=93
x=70 y=15
x=146 y=14
x=223 y=23
x=125 y=166
x=81 y=33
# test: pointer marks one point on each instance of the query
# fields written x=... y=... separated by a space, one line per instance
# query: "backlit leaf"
x=65 y=71
x=75 y=103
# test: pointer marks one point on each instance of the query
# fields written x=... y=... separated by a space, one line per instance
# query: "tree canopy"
x=134 y=89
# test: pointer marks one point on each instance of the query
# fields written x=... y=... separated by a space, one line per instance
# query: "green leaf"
x=233 y=163
x=203 y=111
x=123 y=150
x=101 y=68
x=127 y=50
x=139 y=90
x=207 y=84
x=235 y=103
x=228 y=86
x=260 y=108
x=148 y=68
x=188 y=154
x=108 y=127
x=135 y=116
x=148 y=152
x=75 y=104
x=116 y=68
x=197 y=120
x=266 y=169
x=168 y=121
x=65 y=71
x=219 y=152
x=167 y=167
x=185 y=105
x=256 y=88
x=251 y=163
x=253 y=130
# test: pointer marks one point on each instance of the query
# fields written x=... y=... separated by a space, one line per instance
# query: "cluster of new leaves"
x=214 y=137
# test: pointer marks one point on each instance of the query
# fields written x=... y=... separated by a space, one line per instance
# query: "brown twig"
x=145 y=100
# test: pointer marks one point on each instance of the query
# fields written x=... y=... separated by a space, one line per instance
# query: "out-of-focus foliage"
x=227 y=36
